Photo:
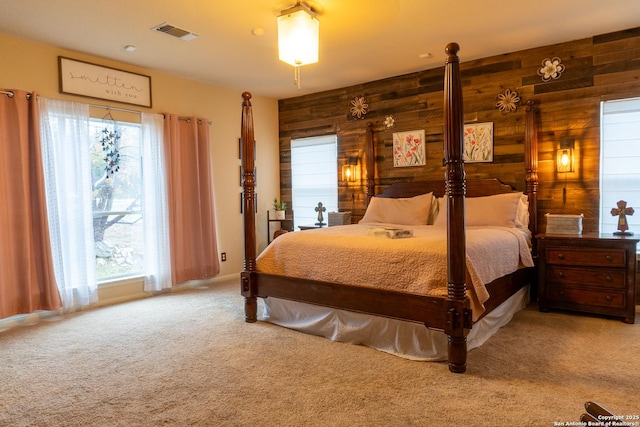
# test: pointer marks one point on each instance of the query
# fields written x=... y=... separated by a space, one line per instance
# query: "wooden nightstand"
x=588 y=273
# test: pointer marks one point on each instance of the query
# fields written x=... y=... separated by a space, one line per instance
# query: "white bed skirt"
x=405 y=339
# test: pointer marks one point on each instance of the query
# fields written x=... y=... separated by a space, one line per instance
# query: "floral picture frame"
x=478 y=143
x=409 y=149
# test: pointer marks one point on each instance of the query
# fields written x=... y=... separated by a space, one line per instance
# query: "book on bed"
x=390 y=232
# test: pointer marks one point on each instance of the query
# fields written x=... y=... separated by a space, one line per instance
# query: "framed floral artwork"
x=408 y=149
x=478 y=142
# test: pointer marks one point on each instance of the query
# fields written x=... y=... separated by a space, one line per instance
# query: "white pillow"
x=522 y=214
x=433 y=212
x=441 y=219
x=497 y=210
x=404 y=211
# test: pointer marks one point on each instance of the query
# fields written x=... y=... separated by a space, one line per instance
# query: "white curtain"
x=157 y=260
x=65 y=149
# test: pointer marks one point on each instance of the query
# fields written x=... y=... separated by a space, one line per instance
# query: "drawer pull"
x=561 y=293
x=609 y=298
x=609 y=258
x=560 y=256
x=608 y=278
x=561 y=274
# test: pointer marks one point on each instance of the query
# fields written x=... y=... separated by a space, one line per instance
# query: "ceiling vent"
x=175 y=31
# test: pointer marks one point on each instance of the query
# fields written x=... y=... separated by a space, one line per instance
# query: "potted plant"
x=279 y=207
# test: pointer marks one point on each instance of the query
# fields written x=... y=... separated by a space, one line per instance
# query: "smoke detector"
x=174 y=31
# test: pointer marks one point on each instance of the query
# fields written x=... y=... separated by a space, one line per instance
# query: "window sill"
x=120 y=281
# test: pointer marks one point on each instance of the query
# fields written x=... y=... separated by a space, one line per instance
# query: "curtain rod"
x=106 y=107
x=137 y=112
x=11 y=94
x=188 y=119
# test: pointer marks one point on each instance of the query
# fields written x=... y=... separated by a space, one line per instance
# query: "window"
x=116 y=198
x=619 y=160
x=314 y=177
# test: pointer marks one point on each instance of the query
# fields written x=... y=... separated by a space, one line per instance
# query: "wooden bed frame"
x=451 y=314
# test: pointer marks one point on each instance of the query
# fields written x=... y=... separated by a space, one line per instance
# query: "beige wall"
x=33 y=67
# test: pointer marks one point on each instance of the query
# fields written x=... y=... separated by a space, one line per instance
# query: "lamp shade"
x=298 y=32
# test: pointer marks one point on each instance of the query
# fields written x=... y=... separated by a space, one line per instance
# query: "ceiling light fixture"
x=129 y=48
x=298 y=34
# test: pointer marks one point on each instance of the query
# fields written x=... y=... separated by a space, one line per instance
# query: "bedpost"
x=531 y=164
x=455 y=189
x=371 y=163
x=249 y=211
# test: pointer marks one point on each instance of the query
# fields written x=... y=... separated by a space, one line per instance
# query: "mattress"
x=350 y=254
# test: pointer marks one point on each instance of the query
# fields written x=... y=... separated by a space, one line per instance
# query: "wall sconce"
x=564 y=162
x=349 y=173
x=349 y=170
x=298 y=37
x=564 y=156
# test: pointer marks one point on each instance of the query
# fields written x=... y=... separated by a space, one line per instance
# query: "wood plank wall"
x=602 y=67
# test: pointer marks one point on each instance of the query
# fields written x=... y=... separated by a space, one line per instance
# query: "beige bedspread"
x=346 y=254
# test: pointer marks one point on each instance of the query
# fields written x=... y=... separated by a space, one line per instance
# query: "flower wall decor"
x=508 y=101
x=360 y=107
x=389 y=122
x=408 y=149
x=551 y=69
x=478 y=143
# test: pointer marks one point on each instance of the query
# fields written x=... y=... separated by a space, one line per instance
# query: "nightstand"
x=590 y=273
x=285 y=224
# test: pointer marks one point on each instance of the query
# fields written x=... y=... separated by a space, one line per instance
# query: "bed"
x=459 y=299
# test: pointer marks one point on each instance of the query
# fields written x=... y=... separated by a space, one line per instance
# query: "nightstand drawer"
x=583 y=297
x=600 y=277
x=587 y=256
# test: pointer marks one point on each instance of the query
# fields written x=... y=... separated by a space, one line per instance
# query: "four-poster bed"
x=452 y=311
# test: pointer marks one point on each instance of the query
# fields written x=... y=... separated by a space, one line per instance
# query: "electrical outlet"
x=223 y=256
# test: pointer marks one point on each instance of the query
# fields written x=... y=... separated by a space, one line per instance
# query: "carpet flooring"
x=188 y=359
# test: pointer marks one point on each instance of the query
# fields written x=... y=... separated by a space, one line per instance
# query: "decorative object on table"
x=622 y=211
x=320 y=209
x=408 y=149
x=564 y=224
x=360 y=107
x=551 y=69
x=478 y=143
x=339 y=218
x=508 y=101
x=280 y=207
x=389 y=122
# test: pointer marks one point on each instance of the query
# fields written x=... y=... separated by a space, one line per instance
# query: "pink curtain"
x=194 y=252
x=27 y=281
